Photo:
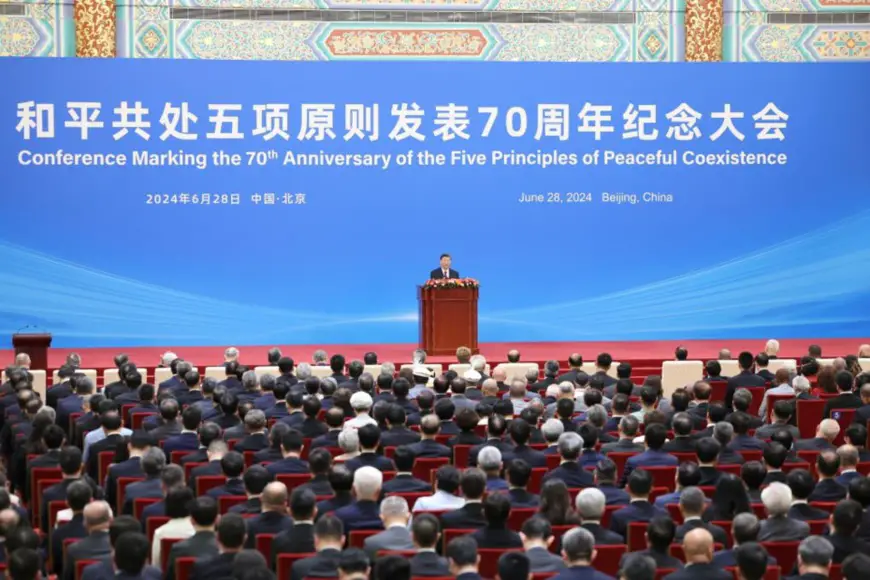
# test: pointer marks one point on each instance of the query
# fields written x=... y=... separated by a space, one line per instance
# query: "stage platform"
x=631 y=351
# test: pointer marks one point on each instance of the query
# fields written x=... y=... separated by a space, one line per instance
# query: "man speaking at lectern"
x=444 y=271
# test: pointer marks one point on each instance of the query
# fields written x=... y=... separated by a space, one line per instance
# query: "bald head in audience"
x=698 y=546
x=98 y=516
x=274 y=497
x=828 y=429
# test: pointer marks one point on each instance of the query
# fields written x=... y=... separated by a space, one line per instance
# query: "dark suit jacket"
x=648 y=458
x=862 y=415
x=542 y=560
x=105 y=570
x=396 y=436
x=741 y=442
x=210 y=468
x=329 y=439
x=431 y=448
x=429 y=564
x=845 y=545
x=727 y=559
x=581 y=573
x=181 y=442
x=312 y=428
x=94 y=546
x=438 y=274
x=336 y=502
x=54 y=394
x=166 y=430
x=270 y=454
x=48 y=459
x=324 y=564
x=843 y=401
x=156 y=509
x=129 y=468
x=742 y=379
x=277 y=411
x=57 y=492
x=369 y=459
x=622 y=446
x=298 y=539
x=531 y=456
x=572 y=474
x=288 y=465
x=199 y=545
x=614 y=495
x=465 y=438
x=468 y=517
x=198 y=456
x=254 y=442
x=489 y=537
x=638 y=511
x=266 y=523
x=782 y=529
x=360 y=515
x=110 y=443
x=319 y=484
x=250 y=506
x=814 y=444
x=218 y=567
x=75 y=528
x=405 y=483
x=680 y=445
x=828 y=490
x=663 y=560
x=521 y=498
x=701 y=571
x=233 y=486
x=719 y=535
x=807 y=513
x=709 y=476
x=602 y=535
x=147 y=488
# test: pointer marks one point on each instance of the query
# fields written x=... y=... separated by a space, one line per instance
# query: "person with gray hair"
x=693 y=502
x=590 y=504
x=320 y=358
x=231 y=354
x=570 y=471
x=489 y=460
x=303 y=371
x=778 y=527
x=628 y=431
x=552 y=429
x=565 y=390
x=815 y=555
x=578 y=551
x=273 y=355
x=251 y=384
x=597 y=417
x=255 y=426
x=364 y=513
x=361 y=403
x=396 y=535
x=744 y=530
x=348 y=441
x=388 y=368
x=153 y=463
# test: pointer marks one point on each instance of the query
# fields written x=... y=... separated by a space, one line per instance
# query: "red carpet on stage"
x=651 y=350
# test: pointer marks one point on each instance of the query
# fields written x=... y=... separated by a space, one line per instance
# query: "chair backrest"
x=844 y=418
x=293 y=480
x=81 y=565
x=424 y=466
x=138 y=419
x=637 y=536
x=619 y=458
x=608 y=557
x=675 y=513
x=412 y=497
x=590 y=368
x=151 y=525
x=664 y=476
x=113 y=376
x=779 y=363
x=207 y=482
x=357 y=538
x=184 y=565
x=772 y=400
x=460 y=455
x=752 y=454
x=123 y=482
x=516 y=370
x=537 y=478
x=140 y=503
x=718 y=389
x=54 y=508
x=662 y=572
x=450 y=534
x=676 y=374
x=827 y=506
x=225 y=502
x=558 y=532
x=818 y=527
x=836 y=571
x=104 y=460
x=488 y=567
x=165 y=548
x=90 y=373
x=785 y=553
x=809 y=414
x=757 y=397
x=38 y=475
x=263 y=543
x=518 y=516
x=285 y=561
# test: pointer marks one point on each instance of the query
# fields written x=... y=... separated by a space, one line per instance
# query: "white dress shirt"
x=180 y=528
x=440 y=500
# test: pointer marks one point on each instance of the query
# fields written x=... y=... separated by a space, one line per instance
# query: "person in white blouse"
x=444 y=498
x=361 y=403
x=178 y=526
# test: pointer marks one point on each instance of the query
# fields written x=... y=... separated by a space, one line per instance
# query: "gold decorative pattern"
x=704 y=21
x=95 y=28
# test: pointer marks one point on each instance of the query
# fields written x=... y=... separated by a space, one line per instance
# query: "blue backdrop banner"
x=198 y=203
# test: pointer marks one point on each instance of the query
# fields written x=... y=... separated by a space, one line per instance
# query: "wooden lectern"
x=448 y=319
x=36 y=345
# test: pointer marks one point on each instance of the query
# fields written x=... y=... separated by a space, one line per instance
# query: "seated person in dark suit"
x=404 y=481
x=723 y=433
x=396 y=535
x=169 y=425
x=273 y=519
x=827 y=489
x=172 y=476
x=826 y=433
x=802 y=484
x=191 y=393
x=570 y=471
x=692 y=506
x=520 y=432
x=698 y=549
x=278 y=410
x=214 y=454
x=846 y=399
x=640 y=509
x=425 y=532
x=752 y=560
x=659 y=537
x=231 y=536
x=130 y=552
x=688 y=475
x=815 y=556
x=495 y=534
x=363 y=514
x=628 y=428
x=744 y=530
x=537 y=536
x=590 y=506
x=578 y=548
x=203 y=543
x=369 y=441
x=707 y=450
x=470 y=516
x=232 y=466
x=742 y=440
x=153 y=463
x=778 y=527
x=341 y=482
x=397 y=433
x=489 y=461
x=518 y=474
x=319 y=464
x=139 y=443
x=845 y=521
x=782 y=413
x=753 y=473
x=255 y=479
x=683 y=442
x=273 y=453
x=742 y=402
x=291 y=449
x=853 y=436
x=848 y=455
x=745 y=378
x=24 y=563
x=329 y=537
x=654 y=438
x=605 y=480
x=311 y=427
x=496 y=427
x=94 y=546
x=334 y=419
x=72 y=469
x=256 y=438
x=784 y=438
x=298 y=538
x=188 y=439
x=859 y=490
x=110 y=423
x=463 y=558
x=208 y=432
x=774 y=458
x=79 y=494
x=444 y=410
x=430 y=428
